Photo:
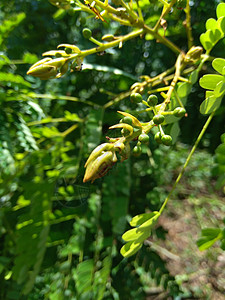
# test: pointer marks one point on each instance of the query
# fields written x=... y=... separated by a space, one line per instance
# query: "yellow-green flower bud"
x=47 y=68
x=98 y=167
x=194 y=54
x=98 y=151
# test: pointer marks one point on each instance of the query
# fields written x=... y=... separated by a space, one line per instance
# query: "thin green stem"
x=164 y=13
x=187 y=161
x=188 y=25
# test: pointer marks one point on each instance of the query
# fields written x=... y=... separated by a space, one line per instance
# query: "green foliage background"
x=59 y=238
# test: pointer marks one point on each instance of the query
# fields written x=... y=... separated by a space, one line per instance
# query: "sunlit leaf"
x=221 y=24
x=220 y=10
x=219 y=64
x=151 y=222
x=208 y=237
x=136 y=233
x=209 y=81
x=210 y=24
x=220 y=89
x=209 y=105
x=130 y=248
x=205 y=41
x=140 y=219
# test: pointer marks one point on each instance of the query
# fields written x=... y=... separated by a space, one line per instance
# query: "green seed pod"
x=136 y=97
x=158 y=137
x=143 y=138
x=68 y=50
x=166 y=140
x=136 y=151
x=158 y=119
x=152 y=100
x=87 y=33
x=179 y=112
x=127 y=120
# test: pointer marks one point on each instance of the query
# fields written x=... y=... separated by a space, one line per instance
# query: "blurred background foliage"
x=60 y=238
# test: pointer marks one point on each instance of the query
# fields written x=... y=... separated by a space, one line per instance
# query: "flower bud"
x=99 y=166
x=137 y=151
x=98 y=151
x=152 y=100
x=179 y=112
x=136 y=97
x=158 y=119
x=87 y=33
x=194 y=54
x=46 y=68
x=166 y=140
x=143 y=138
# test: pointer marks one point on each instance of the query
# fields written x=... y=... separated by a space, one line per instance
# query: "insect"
x=92 y=7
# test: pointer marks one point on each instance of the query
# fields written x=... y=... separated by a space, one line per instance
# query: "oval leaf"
x=218 y=65
x=220 y=89
x=130 y=248
x=209 y=105
x=210 y=24
x=220 y=10
x=140 y=219
x=151 y=222
x=205 y=41
x=221 y=24
x=184 y=89
x=139 y=234
x=210 y=81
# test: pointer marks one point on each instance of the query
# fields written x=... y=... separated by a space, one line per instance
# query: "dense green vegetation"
x=60 y=238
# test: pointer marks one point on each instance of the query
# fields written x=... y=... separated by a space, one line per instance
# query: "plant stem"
x=188 y=25
x=187 y=160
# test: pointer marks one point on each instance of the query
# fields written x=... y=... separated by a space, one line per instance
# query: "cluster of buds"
x=48 y=67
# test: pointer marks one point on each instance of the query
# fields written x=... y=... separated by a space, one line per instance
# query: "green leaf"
x=220 y=10
x=215 y=35
x=139 y=234
x=218 y=65
x=221 y=24
x=151 y=222
x=175 y=131
x=184 y=89
x=205 y=41
x=32 y=233
x=83 y=276
x=140 y=219
x=220 y=149
x=209 y=105
x=210 y=24
x=102 y=277
x=209 y=81
x=208 y=237
x=130 y=248
x=6 y=78
x=220 y=89
x=193 y=76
